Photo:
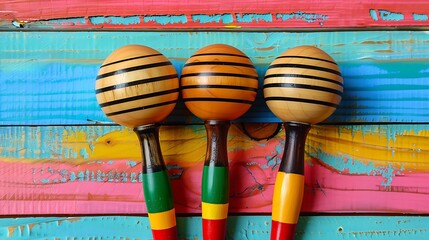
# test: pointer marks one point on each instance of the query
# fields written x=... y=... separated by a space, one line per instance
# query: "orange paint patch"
x=11 y=230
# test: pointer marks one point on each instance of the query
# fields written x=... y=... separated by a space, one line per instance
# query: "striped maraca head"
x=136 y=85
x=219 y=82
x=303 y=84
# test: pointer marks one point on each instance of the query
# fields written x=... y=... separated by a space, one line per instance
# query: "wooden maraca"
x=138 y=87
x=219 y=84
x=302 y=86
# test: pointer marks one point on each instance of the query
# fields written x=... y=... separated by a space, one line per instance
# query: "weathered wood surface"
x=97 y=170
x=174 y=14
x=238 y=227
x=49 y=77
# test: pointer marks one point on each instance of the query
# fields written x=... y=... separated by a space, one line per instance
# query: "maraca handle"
x=289 y=185
x=215 y=182
x=156 y=185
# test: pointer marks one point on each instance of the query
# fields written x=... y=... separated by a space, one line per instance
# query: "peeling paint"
x=115 y=20
x=226 y=18
x=166 y=19
x=10 y=230
x=253 y=17
x=420 y=17
x=307 y=17
x=374 y=15
x=66 y=21
x=348 y=165
x=386 y=15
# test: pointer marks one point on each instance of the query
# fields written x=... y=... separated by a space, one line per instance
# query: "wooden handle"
x=215 y=182
x=289 y=185
x=156 y=185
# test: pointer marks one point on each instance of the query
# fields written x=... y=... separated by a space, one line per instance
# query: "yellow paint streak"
x=186 y=145
x=409 y=150
x=77 y=143
x=183 y=144
x=120 y=144
x=178 y=144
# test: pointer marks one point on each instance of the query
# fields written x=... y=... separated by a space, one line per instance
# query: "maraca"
x=302 y=86
x=138 y=87
x=219 y=84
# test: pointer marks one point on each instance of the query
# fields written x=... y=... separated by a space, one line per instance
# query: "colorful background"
x=67 y=172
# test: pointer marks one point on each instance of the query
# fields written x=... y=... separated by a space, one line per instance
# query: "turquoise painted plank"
x=239 y=227
x=48 y=77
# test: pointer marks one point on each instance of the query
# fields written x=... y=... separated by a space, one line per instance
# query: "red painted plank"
x=111 y=14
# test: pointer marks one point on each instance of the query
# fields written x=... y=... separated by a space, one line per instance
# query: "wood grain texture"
x=219 y=82
x=97 y=169
x=303 y=85
x=50 y=75
x=136 y=85
x=239 y=227
x=175 y=14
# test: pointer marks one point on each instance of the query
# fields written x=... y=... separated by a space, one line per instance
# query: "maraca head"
x=303 y=84
x=219 y=82
x=136 y=85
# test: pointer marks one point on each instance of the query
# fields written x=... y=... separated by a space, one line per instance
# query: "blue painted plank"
x=49 y=77
x=239 y=227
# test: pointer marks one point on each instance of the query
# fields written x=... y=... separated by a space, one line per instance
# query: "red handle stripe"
x=282 y=231
x=165 y=234
x=214 y=229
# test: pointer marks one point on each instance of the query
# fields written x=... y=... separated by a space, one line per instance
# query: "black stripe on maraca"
x=135 y=68
x=137 y=82
x=303 y=100
x=130 y=59
x=221 y=86
x=221 y=54
x=141 y=108
x=219 y=63
x=218 y=74
x=217 y=100
x=288 y=75
x=311 y=58
x=303 y=86
x=304 y=66
x=138 y=97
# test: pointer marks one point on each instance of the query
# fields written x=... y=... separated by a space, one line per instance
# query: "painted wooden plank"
x=49 y=77
x=96 y=169
x=238 y=227
x=174 y=14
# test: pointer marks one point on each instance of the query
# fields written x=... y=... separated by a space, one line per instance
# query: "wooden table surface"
x=67 y=171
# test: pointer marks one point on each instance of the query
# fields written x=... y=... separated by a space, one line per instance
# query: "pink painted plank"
x=113 y=187
x=112 y=14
